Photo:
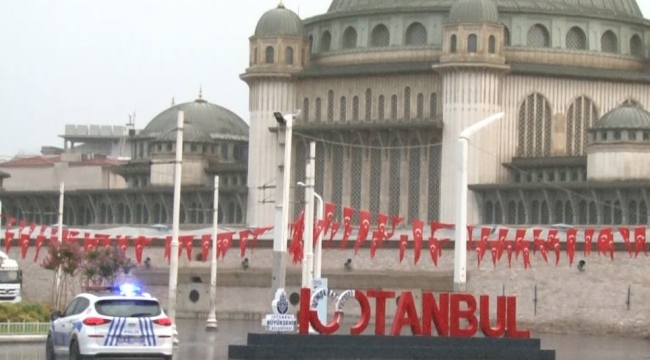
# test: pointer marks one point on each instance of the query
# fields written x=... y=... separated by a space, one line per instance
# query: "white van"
x=11 y=280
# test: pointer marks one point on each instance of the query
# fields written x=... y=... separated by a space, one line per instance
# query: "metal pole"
x=59 y=238
x=212 y=316
x=460 y=241
x=318 y=252
x=309 y=214
x=173 y=267
x=279 y=271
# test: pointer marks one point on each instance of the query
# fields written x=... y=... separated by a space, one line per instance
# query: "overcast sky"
x=94 y=62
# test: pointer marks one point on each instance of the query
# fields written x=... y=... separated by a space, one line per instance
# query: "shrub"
x=24 y=312
x=103 y=266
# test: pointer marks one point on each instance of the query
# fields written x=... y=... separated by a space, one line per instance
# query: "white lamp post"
x=460 y=263
x=212 y=316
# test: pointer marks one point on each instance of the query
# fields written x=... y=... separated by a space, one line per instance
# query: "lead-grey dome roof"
x=621 y=9
x=626 y=116
x=204 y=122
x=280 y=22
x=474 y=11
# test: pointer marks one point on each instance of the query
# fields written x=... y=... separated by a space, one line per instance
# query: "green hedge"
x=24 y=312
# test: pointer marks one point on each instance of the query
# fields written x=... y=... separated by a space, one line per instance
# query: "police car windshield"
x=128 y=308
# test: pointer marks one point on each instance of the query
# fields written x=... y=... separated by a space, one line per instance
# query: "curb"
x=22 y=339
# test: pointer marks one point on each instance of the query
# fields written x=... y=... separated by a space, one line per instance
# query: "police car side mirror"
x=55 y=315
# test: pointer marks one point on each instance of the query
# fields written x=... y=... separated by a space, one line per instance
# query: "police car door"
x=72 y=323
x=61 y=326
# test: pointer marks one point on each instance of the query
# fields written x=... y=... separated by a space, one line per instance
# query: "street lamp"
x=460 y=251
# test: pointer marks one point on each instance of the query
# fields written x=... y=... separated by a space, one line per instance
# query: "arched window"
x=407 y=104
x=420 y=106
x=506 y=36
x=546 y=219
x=488 y=213
x=337 y=178
x=325 y=42
x=255 y=56
x=534 y=127
x=355 y=108
x=305 y=109
x=288 y=56
x=319 y=110
x=330 y=105
x=380 y=36
x=593 y=213
x=581 y=117
x=270 y=55
x=375 y=177
x=453 y=44
x=416 y=34
x=368 y=105
x=344 y=109
x=349 y=38
x=356 y=184
x=498 y=213
x=609 y=42
x=512 y=213
x=576 y=39
x=381 y=107
x=582 y=213
x=568 y=213
x=643 y=213
x=492 y=44
x=538 y=37
x=433 y=105
x=414 y=180
x=636 y=46
x=472 y=43
x=618 y=213
x=559 y=212
x=435 y=161
x=521 y=213
x=393 y=107
x=395 y=175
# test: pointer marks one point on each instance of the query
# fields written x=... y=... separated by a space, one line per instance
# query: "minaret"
x=471 y=66
x=278 y=50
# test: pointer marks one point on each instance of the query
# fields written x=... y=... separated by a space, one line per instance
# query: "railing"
x=24 y=328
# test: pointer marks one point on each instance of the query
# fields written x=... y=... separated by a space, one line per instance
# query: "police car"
x=110 y=323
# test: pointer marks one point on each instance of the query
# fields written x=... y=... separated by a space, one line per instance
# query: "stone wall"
x=567 y=300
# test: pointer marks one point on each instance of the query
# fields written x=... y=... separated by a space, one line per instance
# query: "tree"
x=64 y=259
x=103 y=266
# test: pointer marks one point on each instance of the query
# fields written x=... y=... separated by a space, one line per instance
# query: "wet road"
x=196 y=344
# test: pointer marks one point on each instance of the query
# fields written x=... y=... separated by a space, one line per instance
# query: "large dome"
x=625 y=9
x=280 y=22
x=474 y=11
x=626 y=116
x=204 y=122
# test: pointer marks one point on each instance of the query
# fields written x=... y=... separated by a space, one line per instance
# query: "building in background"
x=386 y=87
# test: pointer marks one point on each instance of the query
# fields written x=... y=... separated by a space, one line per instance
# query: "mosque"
x=385 y=88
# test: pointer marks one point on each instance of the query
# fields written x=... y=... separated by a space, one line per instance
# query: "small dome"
x=204 y=122
x=626 y=116
x=474 y=11
x=280 y=22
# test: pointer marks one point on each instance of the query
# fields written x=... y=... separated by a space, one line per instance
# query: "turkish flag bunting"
x=589 y=237
x=318 y=230
x=520 y=241
x=123 y=243
x=604 y=238
x=571 y=236
x=21 y=226
x=333 y=230
x=70 y=236
x=553 y=242
x=105 y=239
x=40 y=240
x=32 y=227
x=206 y=240
x=243 y=242
x=24 y=244
x=364 y=229
x=526 y=256
x=225 y=239
x=140 y=243
x=9 y=238
x=296 y=237
x=256 y=233
x=510 y=248
x=186 y=242
x=625 y=234
x=418 y=228
x=640 y=241
x=483 y=244
x=434 y=250
x=470 y=237
x=168 y=247
x=90 y=243
x=538 y=244
x=382 y=221
x=376 y=236
x=403 y=243
x=396 y=220
x=329 y=217
x=347 y=226
x=501 y=244
x=495 y=253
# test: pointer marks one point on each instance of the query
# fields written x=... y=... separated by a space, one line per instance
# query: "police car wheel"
x=74 y=351
x=49 y=350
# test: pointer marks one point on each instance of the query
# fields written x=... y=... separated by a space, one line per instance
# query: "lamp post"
x=173 y=267
x=212 y=316
x=279 y=271
x=460 y=248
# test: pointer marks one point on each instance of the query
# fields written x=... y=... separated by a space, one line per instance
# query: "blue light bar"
x=130 y=289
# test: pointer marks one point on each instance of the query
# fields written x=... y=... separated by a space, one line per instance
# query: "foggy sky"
x=94 y=62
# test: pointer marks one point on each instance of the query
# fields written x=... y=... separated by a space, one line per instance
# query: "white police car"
x=111 y=323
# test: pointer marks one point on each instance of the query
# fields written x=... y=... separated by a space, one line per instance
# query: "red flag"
x=520 y=241
x=434 y=250
x=123 y=243
x=364 y=228
x=205 y=246
x=90 y=243
x=589 y=236
x=382 y=221
x=256 y=233
x=483 y=244
x=186 y=242
x=32 y=227
x=334 y=229
x=296 y=238
x=625 y=234
x=501 y=244
x=24 y=244
x=418 y=228
x=538 y=243
x=556 y=247
x=470 y=238
x=396 y=220
x=510 y=245
x=140 y=243
x=168 y=247
x=328 y=216
x=403 y=243
x=226 y=242
x=243 y=242
x=40 y=240
x=604 y=238
x=640 y=241
x=435 y=226
x=347 y=226
x=495 y=254
x=526 y=258
x=571 y=235
x=376 y=236
x=318 y=230
x=105 y=239
x=9 y=238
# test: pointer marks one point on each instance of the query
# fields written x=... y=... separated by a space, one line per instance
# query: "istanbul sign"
x=445 y=314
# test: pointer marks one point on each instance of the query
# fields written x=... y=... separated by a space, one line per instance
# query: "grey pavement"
x=197 y=344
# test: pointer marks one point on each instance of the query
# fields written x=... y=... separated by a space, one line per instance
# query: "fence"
x=24 y=328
